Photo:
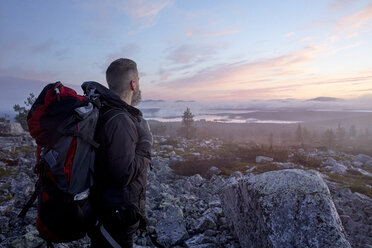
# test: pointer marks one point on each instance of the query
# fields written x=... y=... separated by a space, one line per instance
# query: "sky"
x=208 y=51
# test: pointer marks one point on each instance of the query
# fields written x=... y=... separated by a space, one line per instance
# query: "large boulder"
x=11 y=129
x=287 y=208
x=355 y=211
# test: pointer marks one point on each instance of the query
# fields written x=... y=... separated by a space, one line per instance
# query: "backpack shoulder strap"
x=109 y=113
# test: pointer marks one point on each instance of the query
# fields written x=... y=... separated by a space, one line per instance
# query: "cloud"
x=28 y=72
x=283 y=76
x=139 y=9
x=129 y=50
x=339 y=5
x=188 y=53
x=239 y=72
x=356 y=22
x=44 y=46
x=288 y=34
x=142 y=12
x=307 y=38
x=223 y=32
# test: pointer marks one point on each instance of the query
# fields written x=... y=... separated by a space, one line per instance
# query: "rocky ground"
x=186 y=211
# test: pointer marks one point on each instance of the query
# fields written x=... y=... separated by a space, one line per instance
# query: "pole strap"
x=108 y=237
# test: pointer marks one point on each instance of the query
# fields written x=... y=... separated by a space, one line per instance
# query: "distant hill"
x=184 y=101
x=152 y=101
x=15 y=90
x=325 y=99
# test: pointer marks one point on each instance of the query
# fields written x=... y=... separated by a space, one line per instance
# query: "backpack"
x=63 y=124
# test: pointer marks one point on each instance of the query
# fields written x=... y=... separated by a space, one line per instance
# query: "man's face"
x=136 y=98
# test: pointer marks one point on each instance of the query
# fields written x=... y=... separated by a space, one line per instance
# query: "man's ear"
x=133 y=85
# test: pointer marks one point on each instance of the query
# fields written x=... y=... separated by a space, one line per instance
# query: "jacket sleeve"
x=121 y=138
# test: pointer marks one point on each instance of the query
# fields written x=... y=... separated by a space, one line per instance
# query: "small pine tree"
x=188 y=129
x=5 y=118
x=298 y=134
x=21 y=117
x=329 y=138
x=340 y=135
x=352 y=132
x=271 y=141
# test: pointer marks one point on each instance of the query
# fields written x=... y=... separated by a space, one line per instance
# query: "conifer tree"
x=21 y=117
x=187 y=124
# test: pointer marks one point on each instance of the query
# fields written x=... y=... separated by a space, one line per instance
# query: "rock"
x=361 y=171
x=171 y=229
x=10 y=129
x=22 y=185
x=216 y=203
x=172 y=154
x=166 y=147
x=362 y=160
x=287 y=208
x=207 y=221
x=201 y=241
x=287 y=165
x=212 y=171
x=7 y=207
x=263 y=160
x=179 y=149
x=250 y=170
x=356 y=215
x=4 y=224
x=237 y=174
x=196 y=180
x=30 y=239
x=334 y=166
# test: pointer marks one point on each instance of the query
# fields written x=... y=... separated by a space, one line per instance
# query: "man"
x=122 y=159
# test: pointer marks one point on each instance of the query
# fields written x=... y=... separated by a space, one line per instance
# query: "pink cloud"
x=236 y=73
x=139 y=9
x=28 y=72
x=356 y=21
x=307 y=38
x=223 y=32
x=338 y=5
x=289 y=34
x=288 y=75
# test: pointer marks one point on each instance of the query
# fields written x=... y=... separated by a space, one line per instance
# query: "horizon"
x=192 y=51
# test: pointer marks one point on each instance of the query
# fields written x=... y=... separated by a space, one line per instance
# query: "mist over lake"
x=286 y=111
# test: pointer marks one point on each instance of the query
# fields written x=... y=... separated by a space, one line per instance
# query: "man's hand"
x=144 y=138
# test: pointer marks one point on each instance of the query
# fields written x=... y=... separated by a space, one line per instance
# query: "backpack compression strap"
x=28 y=205
x=107 y=236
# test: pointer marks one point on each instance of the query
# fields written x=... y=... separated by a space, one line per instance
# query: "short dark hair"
x=119 y=73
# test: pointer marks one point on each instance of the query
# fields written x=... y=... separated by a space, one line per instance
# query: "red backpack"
x=63 y=124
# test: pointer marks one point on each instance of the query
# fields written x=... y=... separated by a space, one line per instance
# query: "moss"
x=4 y=173
x=6 y=198
x=26 y=149
x=306 y=161
x=171 y=142
x=262 y=168
x=8 y=161
x=356 y=183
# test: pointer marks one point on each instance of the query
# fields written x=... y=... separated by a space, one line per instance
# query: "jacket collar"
x=108 y=97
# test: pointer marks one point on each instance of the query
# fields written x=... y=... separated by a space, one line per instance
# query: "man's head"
x=122 y=78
